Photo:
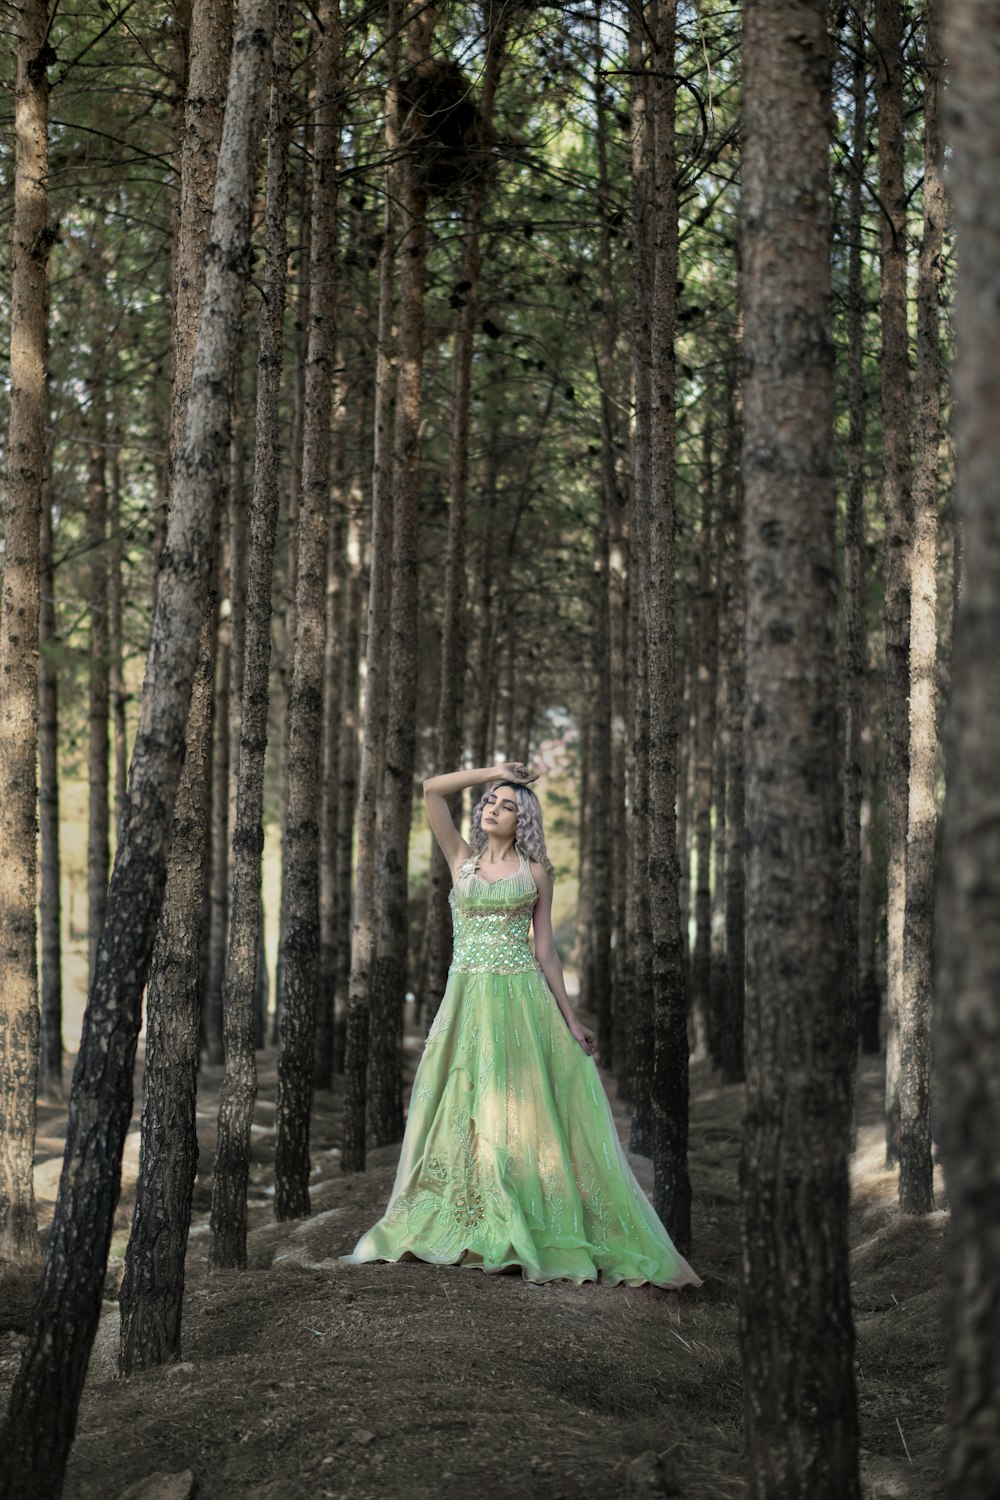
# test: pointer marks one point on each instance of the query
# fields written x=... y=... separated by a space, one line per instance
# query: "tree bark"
x=967 y=927
x=352 y=1157
x=796 y=1332
x=336 y=568
x=732 y=1064
x=897 y=507
x=31 y=238
x=50 y=1053
x=152 y=1293
x=854 y=534
x=916 y=1168
x=216 y=872
x=98 y=802
x=299 y=958
x=705 y=715
x=388 y=975
x=37 y=1434
x=116 y=645
x=657 y=550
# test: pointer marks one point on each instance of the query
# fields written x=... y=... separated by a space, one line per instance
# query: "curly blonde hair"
x=530 y=835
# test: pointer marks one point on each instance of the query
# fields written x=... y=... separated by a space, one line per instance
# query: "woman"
x=511 y=1157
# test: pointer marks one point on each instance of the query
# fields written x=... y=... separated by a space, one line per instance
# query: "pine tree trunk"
x=216 y=873
x=299 y=958
x=705 y=714
x=796 y=1332
x=639 y=934
x=451 y=682
x=336 y=567
x=152 y=1292
x=347 y=772
x=854 y=538
x=31 y=238
x=967 y=926
x=37 y=1434
x=356 y=1044
x=916 y=1170
x=228 y=1220
x=50 y=1052
x=98 y=815
x=119 y=697
x=388 y=975
x=153 y=1288
x=657 y=550
x=732 y=1059
x=896 y=503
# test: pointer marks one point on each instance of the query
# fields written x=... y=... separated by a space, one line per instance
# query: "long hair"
x=529 y=837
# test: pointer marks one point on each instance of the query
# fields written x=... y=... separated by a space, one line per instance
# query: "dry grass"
x=303 y=1377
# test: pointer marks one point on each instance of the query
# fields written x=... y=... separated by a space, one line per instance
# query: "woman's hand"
x=584 y=1037
x=518 y=771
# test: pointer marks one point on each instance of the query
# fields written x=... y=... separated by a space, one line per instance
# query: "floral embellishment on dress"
x=436 y=1168
x=469 y=1210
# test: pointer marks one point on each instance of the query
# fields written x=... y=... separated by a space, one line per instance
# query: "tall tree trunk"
x=299 y=961
x=36 y=1437
x=599 y=812
x=451 y=681
x=153 y=1289
x=347 y=771
x=657 y=551
x=31 y=238
x=639 y=934
x=336 y=568
x=854 y=534
x=50 y=1052
x=896 y=503
x=967 y=928
x=217 y=803
x=228 y=1220
x=916 y=1170
x=98 y=814
x=388 y=977
x=705 y=707
x=732 y=1059
x=796 y=1333
x=116 y=643
x=152 y=1292
x=352 y=1158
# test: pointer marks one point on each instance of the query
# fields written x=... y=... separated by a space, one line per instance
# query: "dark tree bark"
x=217 y=802
x=152 y=1293
x=116 y=645
x=388 y=975
x=299 y=960
x=731 y=1051
x=897 y=507
x=38 y=1432
x=50 y=1052
x=705 y=715
x=967 y=928
x=854 y=534
x=228 y=1221
x=329 y=754
x=796 y=1332
x=916 y=1168
x=31 y=238
x=657 y=551
x=98 y=713
x=352 y=1157
x=153 y=1289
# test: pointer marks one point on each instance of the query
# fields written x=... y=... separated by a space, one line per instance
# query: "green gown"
x=511 y=1156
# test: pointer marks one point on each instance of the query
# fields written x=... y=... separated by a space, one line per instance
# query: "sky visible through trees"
x=388 y=387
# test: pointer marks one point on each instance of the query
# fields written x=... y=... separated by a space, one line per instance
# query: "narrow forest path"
x=306 y=1378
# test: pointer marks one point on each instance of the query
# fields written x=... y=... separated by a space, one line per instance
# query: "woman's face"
x=499 y=815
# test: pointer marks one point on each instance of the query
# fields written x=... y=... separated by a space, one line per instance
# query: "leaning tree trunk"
x=896 y=502
x=796 y=1333
x=228 y=1221
x=916 y=1168
x=25 y=463
x=50 y=1051
x=153 y=1289
x=657 y=551
x=38 y=1432
x=299 y=957
x=388 y=976
x=98 y=802
x=116 y=600
x=967 y=928
x=352 y=1158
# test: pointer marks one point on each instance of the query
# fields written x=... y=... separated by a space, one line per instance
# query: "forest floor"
x=302 y=1378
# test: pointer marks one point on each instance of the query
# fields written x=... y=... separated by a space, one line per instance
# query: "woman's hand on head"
x=518 y=771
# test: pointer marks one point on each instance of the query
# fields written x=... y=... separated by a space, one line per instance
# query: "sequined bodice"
x=492 y=920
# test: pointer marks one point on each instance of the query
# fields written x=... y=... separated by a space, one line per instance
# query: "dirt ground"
x=302 y=1378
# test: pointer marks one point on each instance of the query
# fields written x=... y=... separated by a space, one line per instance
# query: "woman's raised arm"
x=437 y=789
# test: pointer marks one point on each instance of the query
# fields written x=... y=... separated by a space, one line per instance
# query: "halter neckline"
x=523 y=863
